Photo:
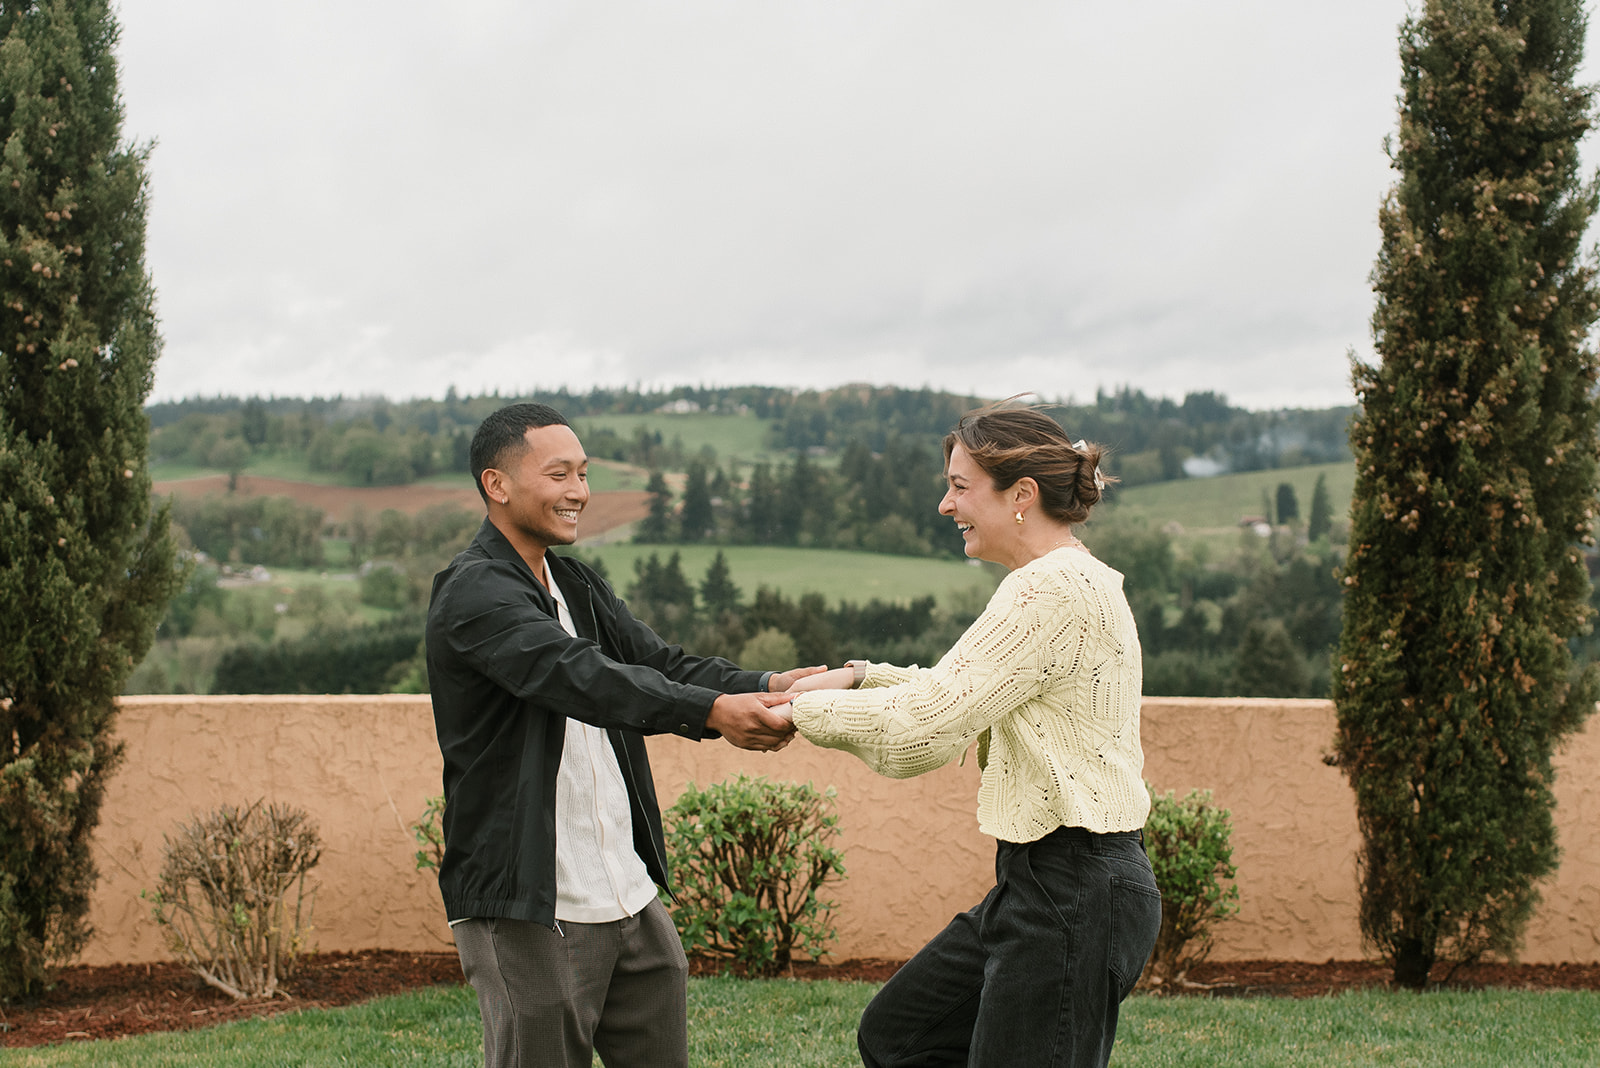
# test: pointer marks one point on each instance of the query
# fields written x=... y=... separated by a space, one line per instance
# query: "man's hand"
x=750 y=720
x=784 y=680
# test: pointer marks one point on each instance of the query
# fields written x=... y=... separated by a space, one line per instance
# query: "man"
x=544 y=686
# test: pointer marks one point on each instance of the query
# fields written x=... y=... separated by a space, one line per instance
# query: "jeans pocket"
x=1135 y=923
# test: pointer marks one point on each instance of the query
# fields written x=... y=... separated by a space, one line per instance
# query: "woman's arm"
x=931 y=717
x=843 y=678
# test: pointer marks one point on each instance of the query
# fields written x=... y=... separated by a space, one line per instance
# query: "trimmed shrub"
x=1188 y=843
x=749 y=857
x=232 y=899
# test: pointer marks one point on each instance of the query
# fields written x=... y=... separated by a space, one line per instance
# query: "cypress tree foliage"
x=85 y=568
x=1476 y=478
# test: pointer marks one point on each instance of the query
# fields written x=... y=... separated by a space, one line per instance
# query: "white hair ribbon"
x=1099 y=482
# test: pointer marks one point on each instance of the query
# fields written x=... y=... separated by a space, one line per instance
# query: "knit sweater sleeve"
x=907 y=721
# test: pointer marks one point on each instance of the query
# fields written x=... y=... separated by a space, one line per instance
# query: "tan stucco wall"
x=363 y=766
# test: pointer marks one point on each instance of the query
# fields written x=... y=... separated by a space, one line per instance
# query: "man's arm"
x=493 y=626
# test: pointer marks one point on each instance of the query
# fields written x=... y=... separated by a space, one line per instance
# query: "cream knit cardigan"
x=1052 y=669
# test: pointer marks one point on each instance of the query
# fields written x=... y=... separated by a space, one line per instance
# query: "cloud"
x=1045 y=196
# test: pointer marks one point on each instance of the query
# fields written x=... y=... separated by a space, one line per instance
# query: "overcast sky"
x=362 y=197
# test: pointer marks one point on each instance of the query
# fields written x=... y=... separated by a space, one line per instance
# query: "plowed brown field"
x=338 y=503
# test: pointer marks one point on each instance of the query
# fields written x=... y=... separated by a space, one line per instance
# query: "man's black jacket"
x=505 y=676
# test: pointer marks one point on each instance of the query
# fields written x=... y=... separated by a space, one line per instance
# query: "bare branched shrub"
x=429 y=833
x=233 y=900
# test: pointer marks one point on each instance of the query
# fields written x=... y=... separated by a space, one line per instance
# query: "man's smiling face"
x=547 y=485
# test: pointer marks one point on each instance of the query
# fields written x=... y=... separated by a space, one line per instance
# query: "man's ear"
x=494 y=484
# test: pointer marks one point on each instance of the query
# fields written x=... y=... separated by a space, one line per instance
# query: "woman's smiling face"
x=983 y=513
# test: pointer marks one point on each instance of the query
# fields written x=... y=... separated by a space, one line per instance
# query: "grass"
x=173 y=472
x=1208 y=510
x=1211 y=503
x=734 y=437
x=790 y=1024
x=1447 y=1029
x=837 y=574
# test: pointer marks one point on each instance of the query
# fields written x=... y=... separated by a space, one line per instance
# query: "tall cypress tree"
x=1476 y=479
x=85 y=568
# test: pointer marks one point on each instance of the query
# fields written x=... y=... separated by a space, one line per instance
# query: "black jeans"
x=1035 y=973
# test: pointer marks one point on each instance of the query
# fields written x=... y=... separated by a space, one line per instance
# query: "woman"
x=1047 y=680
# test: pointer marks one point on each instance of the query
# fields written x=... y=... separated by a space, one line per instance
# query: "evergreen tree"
x=799 y=492
x=1320 y=521
x=1267 y=663
x=1288 y=503
x=697 y=522
x=1476 y=478
x=85 y=568
x=718 y=593
x=657 y=526
x=253 y=422
x=662 y=597
x=762 y=507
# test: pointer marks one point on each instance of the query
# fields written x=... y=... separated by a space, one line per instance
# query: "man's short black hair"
x=504 y=431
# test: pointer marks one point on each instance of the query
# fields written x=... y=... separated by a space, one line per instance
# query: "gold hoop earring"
x=1019 y=519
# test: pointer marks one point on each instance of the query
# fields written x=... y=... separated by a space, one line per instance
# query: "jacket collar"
x=497 y=546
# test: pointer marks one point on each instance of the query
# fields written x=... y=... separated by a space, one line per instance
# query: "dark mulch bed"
x=128 y=999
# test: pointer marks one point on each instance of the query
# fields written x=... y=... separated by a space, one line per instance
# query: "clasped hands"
x=763 y=721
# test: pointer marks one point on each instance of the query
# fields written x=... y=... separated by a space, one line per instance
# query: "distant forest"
x=851 y=468
x=373 y=441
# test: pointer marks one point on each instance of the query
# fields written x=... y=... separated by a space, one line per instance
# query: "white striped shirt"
x=599 y=875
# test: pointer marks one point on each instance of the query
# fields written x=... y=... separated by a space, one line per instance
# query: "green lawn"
x=836 y=574
x=793 y=1024
x=1452 y=1029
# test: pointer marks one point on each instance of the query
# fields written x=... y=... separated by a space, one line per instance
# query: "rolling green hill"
x=1209 y=509
x=734 y=437
x=837 y=574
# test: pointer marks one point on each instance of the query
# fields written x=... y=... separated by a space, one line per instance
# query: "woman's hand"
x=842 y=678
x=783 y=680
